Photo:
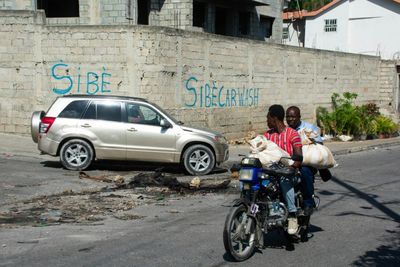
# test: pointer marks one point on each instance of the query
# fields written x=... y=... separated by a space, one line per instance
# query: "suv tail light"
x=45 y=124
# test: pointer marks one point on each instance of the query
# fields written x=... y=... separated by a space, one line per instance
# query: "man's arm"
x=316 y=130
x=297 y=157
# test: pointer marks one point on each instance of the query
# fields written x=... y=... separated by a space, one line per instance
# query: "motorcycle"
x=261 y=208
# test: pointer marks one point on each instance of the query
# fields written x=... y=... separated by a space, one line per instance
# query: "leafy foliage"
x=307 y=4
x=350 y=119
x=385 y=125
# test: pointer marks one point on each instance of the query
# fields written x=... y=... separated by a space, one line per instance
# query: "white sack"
x=318 y=156
x=268 y=152
x=259 y=143
x=306 y=136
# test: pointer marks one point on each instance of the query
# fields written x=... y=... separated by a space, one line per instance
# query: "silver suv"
x=81 y=128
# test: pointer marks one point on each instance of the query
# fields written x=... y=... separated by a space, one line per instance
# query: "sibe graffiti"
x=210 y=95
x=90 y=82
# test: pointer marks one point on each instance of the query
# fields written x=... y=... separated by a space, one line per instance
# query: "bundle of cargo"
x=315 y=154
x=268 y=152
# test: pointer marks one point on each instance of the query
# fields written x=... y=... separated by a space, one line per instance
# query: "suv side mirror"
x=165 y=124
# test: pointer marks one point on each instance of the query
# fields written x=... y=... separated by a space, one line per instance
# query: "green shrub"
x=369 y=113
x=350 y=119
x=345 y=117
x=385 y=125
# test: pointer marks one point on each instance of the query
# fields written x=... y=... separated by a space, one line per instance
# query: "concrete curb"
x=364 y=148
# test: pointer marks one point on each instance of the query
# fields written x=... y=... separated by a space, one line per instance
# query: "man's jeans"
x=307 y=185
x=286 y=185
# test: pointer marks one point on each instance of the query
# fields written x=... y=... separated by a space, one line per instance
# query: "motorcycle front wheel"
x=239 y=233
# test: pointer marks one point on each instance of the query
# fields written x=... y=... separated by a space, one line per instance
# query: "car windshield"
x=167 y=114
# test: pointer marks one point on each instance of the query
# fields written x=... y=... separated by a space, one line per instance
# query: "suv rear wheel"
x=76 y=155
x=198 y=160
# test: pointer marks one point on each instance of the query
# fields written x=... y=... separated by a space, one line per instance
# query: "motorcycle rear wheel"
x=238 y=241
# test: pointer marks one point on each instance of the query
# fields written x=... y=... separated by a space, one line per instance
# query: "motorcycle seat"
x=284 y=171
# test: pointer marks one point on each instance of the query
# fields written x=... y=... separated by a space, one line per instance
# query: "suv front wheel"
x=198 y=160
x=76 y=155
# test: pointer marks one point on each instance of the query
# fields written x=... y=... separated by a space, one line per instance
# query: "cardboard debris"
x=250 y=135
x=158 y=179
x=101 y=178
x=195 y=183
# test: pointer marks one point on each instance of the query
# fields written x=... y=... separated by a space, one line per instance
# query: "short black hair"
x=277 y=111
x=295 y=108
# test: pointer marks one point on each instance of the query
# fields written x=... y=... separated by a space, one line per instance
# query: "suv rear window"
x=74 y=109
x=104 y=110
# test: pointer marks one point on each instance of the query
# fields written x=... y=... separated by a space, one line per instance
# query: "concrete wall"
x=205 y=80
x=17 y=4
x=166 y=13
x=389 y=93
x=274 y=10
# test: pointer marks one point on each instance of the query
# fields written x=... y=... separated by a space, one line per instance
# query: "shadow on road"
x=369 y=198
x=384 y=255
x=127 y=166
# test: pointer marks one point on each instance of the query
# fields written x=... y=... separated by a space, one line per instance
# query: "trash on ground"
x=345 y=138
x=117 y=200
x=101 y=178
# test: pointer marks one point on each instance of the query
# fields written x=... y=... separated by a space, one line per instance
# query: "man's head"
x=276 y=114
x=293 y=117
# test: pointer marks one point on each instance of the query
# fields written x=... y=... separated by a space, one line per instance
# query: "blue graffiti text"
x=213 y=95
x=91 y=82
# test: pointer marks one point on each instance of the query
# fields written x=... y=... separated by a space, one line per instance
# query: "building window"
x=199 y=14
x=330 y=25
x=143 y=12
x=266 y=26
x=285 y=33
x=59 y=8
x=244 y=23
x=221 y=21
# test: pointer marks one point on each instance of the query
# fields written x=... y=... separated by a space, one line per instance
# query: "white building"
x=370 y=27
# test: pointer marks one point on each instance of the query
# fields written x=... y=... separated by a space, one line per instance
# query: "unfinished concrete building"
x=253 y=19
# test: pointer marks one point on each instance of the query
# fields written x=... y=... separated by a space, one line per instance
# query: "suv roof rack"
x=107 y=96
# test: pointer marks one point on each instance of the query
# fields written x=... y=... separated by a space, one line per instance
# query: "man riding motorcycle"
x=307 y=173
x=289 y=140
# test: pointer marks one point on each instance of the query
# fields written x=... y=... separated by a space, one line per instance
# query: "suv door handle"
x=86 y=125
x=132 y=129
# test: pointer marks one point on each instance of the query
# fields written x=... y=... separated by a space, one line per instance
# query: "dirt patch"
x=117 y=200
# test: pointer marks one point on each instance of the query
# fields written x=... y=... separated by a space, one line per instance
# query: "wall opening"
x=59 y=8
x=220 y=20
x=266 y=26
x=244 y=23
x=199 y=14
x=143 y=12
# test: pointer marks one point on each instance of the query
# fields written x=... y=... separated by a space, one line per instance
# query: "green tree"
x=308 y=5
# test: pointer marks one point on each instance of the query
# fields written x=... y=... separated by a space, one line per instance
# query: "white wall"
x=370 y=27
x=295 y=28
x=374 y=29
x=316 y=37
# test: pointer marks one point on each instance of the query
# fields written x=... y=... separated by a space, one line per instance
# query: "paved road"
x=357 y=224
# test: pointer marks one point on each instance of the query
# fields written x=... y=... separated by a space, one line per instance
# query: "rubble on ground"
x=244 y=140
x=117 y=199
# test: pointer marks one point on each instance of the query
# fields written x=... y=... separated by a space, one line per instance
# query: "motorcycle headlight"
x=246 y=174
